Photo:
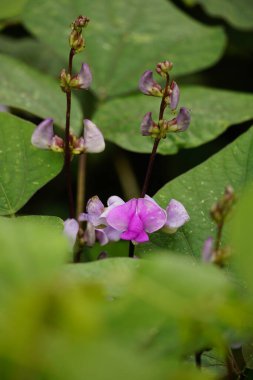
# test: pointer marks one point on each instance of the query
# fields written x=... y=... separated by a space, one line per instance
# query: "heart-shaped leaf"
x=126 y=38
x=23 y=168
x=198 y=189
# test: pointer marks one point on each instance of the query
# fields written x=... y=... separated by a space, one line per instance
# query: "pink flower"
x=136 y=218
x=71 y=228
x=208 y=250
x=177 y=216
x=84 y=77
x=174 y=95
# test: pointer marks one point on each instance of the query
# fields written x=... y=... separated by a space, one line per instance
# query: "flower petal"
x=207 y=251
x=93 y=138
x=71 y=228
x=84 y=77
x=183 y=119
x=43 y=134
x=174 y=96
x=176 y=215
x=152 y=215
x=119 y=217
x=148 y=85
x=146 y=124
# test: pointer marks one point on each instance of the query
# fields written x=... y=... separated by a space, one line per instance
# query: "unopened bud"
x=65 y=79
x=76 y=41
x=80 y=22
x=162 y=68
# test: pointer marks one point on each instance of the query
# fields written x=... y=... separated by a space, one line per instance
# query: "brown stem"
x=81 y=183
x=219 y=235
x=67 y=150
x=153 y=154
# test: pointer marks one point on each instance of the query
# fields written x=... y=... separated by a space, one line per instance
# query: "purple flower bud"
x=84 y=77
x=43 y=134
x=71 y=228
x=183 y=119
x=174 y=95
x=207 y=251
x=93 y=138
x=94 y=210
x=135 y=218
x=147 y=124
x=177 y=216
x=148 y=85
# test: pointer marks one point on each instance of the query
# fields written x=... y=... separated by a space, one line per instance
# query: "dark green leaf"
x=23 y=168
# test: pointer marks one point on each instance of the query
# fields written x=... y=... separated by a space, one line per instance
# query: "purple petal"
x=93 y=138
x=152 y=215
x=174 y=96
x=148 y=85
x=120 y=216
x=71 y=228
x=101 y=236
x=183 y=119
x=94 y=209
x=147 y=124
x=176 y=215
x=43 y=134
x=84 y=76
x=207 y=251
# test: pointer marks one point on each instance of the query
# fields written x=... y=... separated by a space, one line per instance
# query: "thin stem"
x=67 y=151
x=219 y=235
x=153 y=154
x=81 y=183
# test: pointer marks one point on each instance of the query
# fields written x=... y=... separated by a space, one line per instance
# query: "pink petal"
x=120 y=216
x=207 y=251
x=176 y=214
x=183 y=119
x=43 y=134
x=152 y=215
x=93 y=138
x=146 y=124
x=174 y=97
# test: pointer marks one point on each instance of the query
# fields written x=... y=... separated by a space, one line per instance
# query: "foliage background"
x=210 y=44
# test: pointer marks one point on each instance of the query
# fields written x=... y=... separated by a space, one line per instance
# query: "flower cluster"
x=170 y=95
x=132 y=220
x=92 y=140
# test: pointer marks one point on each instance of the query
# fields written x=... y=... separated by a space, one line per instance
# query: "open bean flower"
x=92 y=140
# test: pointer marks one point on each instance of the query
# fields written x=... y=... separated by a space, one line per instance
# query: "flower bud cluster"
x=220 y=209
x=218 y=256
x=170 y=98
x=92 y=140
x=132 y=220
x=76 y=39
x=82 y=80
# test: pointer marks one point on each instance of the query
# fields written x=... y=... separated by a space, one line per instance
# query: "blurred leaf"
x=241 y=235
x=247 y=349
x=23 y=168
x=236 y=12
x=212 y=112
x=198 y=189
x=114 y=274
x=11 y=8
x=30 y=251
x=126 y=38
x=29 y=90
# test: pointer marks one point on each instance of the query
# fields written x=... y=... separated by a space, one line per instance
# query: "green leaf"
x=32 y=249
x=114 y=274
x=23 y=168
x=198 y=189
x=27 y=89
x=11 y=8
x=126 y=38
x=236 y=12
x=212 y=112
x=241 y=235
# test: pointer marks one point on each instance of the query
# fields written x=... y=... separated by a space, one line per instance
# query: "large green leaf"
x=126 y=38
x=11 y=8
x=27 y=89
x=198 y=189
x=212 y=111
x=236 y=12
x=23 y=168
